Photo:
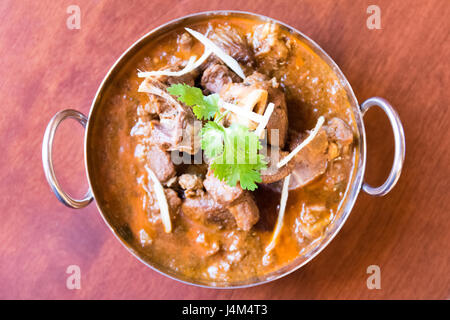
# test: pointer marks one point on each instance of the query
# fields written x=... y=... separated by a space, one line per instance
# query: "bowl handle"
x=399 y=137
x=47 y=158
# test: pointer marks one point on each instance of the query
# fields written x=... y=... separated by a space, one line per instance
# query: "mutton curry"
x=220 y=89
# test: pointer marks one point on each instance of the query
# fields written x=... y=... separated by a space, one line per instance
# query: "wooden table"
x=46 y=67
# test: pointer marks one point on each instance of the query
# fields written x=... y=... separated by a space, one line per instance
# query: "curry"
x=175 y=206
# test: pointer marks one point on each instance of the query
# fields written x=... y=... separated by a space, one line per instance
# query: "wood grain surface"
x=45 y=67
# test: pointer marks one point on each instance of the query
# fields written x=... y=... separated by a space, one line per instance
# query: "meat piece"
x=190 y=181
x=273 y=173
x=154 y=105
x=174 y=134
x=176 y=128
x=192 y=184
x=310 y=162
x=247 y=97
x=233 y=43
x=259 y=78
x=163 y=134
x=220 y=191
x=197 y=169
x=339 y=132
x=160 y=163
x=207 y=211
x=150 y=110
x=239 y=202
x=271 y=50
x=216 y=76
x=245 y=212
x=173 y=200
x=278 y=123
x=141 y=128
x=172 y=182
x=190 y=141
x=201 y=208
x=184 y=42
x=335 y=177
x=312 y=221
x=333 y=151
x=187 y=78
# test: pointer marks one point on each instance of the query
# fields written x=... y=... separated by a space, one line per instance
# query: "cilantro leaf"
x=240 y=160
x=203 y=107
x=186 y=94
x=208 y=109
x=247 y=174
x=212 y=139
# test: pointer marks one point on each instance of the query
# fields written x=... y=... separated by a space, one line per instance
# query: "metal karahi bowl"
x=353 y=189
